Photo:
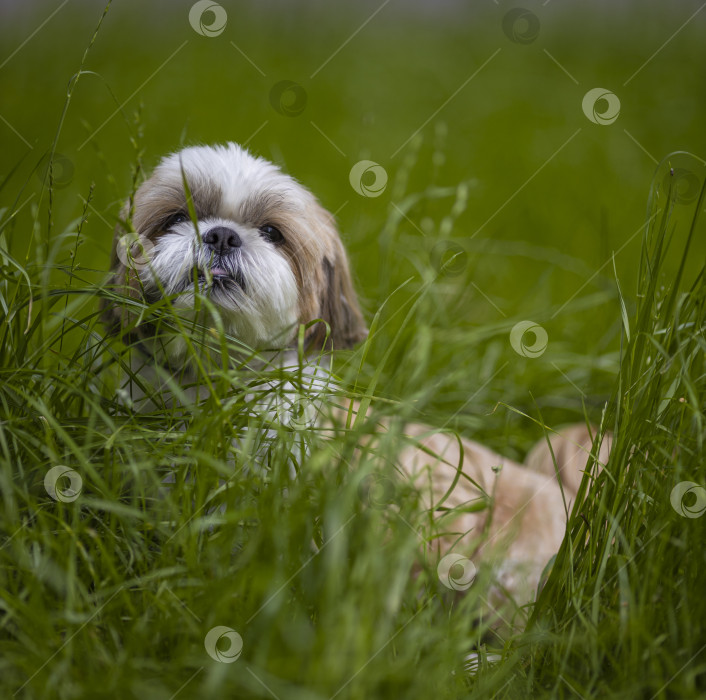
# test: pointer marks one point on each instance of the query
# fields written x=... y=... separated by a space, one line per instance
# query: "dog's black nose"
x=222 y=239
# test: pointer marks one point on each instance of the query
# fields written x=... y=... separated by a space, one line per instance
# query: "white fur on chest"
x=293 y=397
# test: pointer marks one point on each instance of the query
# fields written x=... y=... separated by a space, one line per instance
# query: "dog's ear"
x=122 y=279
x=337 y=300
x=339 y=305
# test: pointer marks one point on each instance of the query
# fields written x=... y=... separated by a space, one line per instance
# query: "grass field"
x=509 y=197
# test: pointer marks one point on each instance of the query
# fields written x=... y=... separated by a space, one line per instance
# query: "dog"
x=270 y=260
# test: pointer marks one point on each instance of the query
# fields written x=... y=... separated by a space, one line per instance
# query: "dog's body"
x=525 y=524
x=268 y=257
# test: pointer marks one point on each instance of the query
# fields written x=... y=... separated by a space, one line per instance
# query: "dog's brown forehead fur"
x=156 y=201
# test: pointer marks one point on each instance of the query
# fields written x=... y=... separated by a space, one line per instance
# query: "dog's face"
x=263 y=250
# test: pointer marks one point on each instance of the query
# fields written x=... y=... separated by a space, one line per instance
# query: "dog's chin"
x=260 y=315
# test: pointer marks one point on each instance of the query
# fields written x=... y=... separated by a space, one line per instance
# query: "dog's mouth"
x=219 y=278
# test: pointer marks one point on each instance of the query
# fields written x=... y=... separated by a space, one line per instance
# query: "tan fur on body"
x=500 y=514
x=525 y=523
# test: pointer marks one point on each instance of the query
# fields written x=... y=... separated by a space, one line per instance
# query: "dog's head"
x=254 y=241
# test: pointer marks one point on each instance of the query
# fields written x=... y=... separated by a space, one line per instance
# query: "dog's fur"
x=268 y=288
x=217 y=233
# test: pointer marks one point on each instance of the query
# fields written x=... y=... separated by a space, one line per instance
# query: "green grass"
x=113 y=594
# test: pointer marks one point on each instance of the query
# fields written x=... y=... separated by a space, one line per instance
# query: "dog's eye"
x=174 y=219
x=272 y=234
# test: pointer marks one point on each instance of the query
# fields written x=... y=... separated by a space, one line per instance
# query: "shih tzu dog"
x=252 y=238
x=268 y=258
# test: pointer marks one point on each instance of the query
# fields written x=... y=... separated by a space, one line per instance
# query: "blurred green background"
x=437 y=93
